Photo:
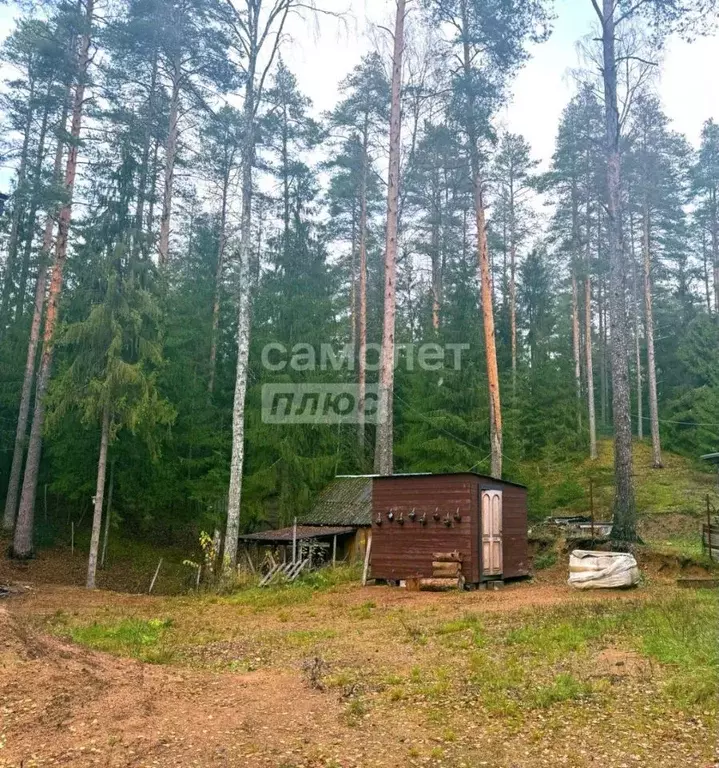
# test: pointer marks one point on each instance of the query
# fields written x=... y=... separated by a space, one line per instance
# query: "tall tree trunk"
x=576 y=349
x=484 y=269
x=705 y=272
x=436 y=270
x=651 y=361
x=218 y=282
x=22 y=546
x=99 y=497
x=33 y=342
x=243 y=324
x=170 y=155
x=624 y=524
x=715 y=247
x=385 y=433
x=588 y=340
x=34 y=203
x=590 y=367
x=362 y=319
x=139 y=236
x=18 y=206
x=108 y=514
x=153 y=196
x=513 y=285
x=353 y=278
x=637 y=334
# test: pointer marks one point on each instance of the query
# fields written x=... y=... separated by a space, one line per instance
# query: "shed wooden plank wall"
x=515 y=547
x=405 y=551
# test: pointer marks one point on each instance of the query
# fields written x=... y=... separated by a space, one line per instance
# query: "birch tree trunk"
x=624 y=525
x=385 y=433
x=14 y=238
x=170 y=155
x=33 y=342
x=243 y=324
x=651 y=360
x=99 y=496
x=484 y=268
x=362 y=319
x=22 y=546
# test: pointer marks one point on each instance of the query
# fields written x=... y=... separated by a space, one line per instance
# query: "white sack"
x=602 y=570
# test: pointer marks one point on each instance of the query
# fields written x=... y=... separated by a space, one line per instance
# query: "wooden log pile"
x=446 y=572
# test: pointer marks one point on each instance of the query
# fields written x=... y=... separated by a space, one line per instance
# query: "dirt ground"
x=243 y=693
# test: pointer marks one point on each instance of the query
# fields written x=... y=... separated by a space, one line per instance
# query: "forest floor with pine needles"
x=326 y=674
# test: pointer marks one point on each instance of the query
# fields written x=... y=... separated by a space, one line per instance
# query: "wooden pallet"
x=287 y=572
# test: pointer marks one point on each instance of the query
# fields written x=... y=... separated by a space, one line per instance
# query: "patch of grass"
x=304 y=638
x=299 y=592
x=139 y=638
x=552 y=636
x=544 y=560
x=364 y=611
x=682 y=633
x=464 y=632
x=564 y=687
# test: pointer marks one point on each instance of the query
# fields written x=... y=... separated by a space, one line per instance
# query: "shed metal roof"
x=345 y=501
x=304 y=532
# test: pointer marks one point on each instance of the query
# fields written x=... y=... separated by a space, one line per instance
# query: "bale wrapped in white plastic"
x=602 y=570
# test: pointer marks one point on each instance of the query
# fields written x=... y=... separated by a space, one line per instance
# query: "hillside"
x=671 y=502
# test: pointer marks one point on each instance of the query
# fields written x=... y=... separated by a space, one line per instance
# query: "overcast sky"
x=689 y=85
x=323 y=52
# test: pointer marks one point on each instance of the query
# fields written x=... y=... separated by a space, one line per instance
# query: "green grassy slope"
x=680 y=488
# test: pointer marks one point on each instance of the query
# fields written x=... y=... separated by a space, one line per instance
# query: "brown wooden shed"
x=416 y=516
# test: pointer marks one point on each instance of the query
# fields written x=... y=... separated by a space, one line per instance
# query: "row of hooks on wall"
x=392 y=517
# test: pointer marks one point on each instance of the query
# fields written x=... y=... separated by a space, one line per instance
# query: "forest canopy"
x=180 y=214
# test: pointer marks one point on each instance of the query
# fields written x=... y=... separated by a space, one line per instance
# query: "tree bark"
x=385 y=433
x=22 y=546
x=139 y=237
x=649 y=326
x=715 y=246
x=362 y=320
x=637 y=335
x=218 y=282
x=485 y=277
x=576 y=349
x=588 y=341
x=14 y=238
x=33 y=342
x=170 y=155
x=99 y=497
x=244 y=311
x=513 y=283
x=108 y=514
x=34 y=202
x=624 y=522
